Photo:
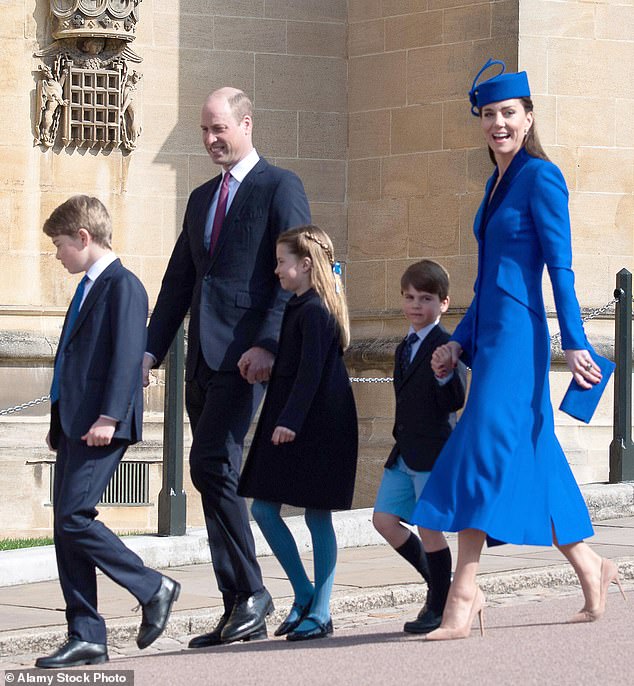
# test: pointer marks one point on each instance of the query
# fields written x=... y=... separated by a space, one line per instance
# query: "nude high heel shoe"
x=446 y=634
x=609 y=575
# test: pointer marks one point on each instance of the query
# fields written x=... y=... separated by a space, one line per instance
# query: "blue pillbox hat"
x=500 y=87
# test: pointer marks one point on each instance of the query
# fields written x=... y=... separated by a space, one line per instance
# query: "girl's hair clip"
x=336 y=270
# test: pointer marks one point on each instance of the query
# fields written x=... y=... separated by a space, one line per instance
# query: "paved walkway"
x=368 y=577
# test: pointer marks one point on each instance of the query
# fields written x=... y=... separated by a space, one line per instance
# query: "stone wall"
x=417 y=166
x=579 y=56
x=291 y=58
x=366 y=101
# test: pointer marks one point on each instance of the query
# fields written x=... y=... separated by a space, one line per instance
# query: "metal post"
x=172 y=505
x=621 y=448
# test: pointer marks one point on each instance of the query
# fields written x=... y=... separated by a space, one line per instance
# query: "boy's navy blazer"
x=234 y=296
x=424 y=416
x=101 y=370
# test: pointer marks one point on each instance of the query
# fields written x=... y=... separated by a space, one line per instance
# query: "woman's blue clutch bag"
x=581 y=403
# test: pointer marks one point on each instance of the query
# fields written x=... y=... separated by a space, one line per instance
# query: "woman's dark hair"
x=531 y=142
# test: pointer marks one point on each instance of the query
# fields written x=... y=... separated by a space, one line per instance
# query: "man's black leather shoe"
x=73 y=654
x=157 y=611
x=427 y=621
x=248 y=618
x=213 y=638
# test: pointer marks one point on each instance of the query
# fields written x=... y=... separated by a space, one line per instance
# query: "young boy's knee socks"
x=412 y=550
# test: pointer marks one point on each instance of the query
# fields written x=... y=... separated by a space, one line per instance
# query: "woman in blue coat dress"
x=502 y=473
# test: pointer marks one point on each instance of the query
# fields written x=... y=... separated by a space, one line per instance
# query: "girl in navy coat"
x=502 y=473
x=304 y=451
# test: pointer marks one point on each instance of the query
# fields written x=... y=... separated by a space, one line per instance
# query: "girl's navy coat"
x=309 y=393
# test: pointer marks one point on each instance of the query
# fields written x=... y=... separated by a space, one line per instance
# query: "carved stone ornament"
x=85 y=87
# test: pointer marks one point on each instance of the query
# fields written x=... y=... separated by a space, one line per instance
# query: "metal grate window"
x=130 y=485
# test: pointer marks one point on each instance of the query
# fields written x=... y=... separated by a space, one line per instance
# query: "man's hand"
x=282 y=435
x=148 y=363
x=256 y=364
x=100 y=433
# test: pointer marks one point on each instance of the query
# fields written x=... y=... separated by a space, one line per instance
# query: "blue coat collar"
x=491 y=204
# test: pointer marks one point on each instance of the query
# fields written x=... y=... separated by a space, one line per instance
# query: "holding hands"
x=445 y=358
x=255 y=365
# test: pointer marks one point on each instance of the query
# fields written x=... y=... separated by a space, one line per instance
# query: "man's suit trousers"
x=221 y=406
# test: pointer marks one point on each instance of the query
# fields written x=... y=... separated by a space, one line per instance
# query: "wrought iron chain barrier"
x=155 y=381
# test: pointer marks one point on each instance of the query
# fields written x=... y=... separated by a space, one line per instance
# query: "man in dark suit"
x=97 y=411
x=423 y=421
x=222 y=271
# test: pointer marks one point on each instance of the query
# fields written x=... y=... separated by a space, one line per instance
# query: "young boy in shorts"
x=424 y=418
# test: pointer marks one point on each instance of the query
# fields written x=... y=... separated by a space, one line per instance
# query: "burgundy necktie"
x=221 y=210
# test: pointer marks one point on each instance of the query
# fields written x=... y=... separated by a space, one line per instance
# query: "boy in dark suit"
x=96 y=412
x=425 y=408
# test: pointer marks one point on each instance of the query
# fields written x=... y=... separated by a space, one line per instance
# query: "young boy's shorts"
x=399 y=490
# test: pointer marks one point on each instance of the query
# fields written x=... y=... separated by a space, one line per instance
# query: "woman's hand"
x=445 y=358
x=282 y=435
x=584 y=370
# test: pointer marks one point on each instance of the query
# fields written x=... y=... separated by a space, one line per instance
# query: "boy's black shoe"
x=74 y=653
x=157 y=611
x=427 y=621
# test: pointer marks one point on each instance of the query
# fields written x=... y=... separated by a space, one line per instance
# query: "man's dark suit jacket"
x=425 y=410
x=234 y=295
x=101 y=370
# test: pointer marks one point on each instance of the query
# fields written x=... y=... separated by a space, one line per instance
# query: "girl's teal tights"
x=279 y=537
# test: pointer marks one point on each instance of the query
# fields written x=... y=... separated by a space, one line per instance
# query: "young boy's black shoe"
x=427 y=621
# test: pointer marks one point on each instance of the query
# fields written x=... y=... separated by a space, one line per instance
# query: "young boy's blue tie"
x=72 y=318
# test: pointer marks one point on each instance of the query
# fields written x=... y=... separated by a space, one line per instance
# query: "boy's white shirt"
x=95 y=271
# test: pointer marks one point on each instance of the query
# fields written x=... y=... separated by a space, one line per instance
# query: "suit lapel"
x=516 y=166
x=425 y=349
x=398 y=374
x=94 y=294
x=484 y=210
x=242 y=195
x=199 y=219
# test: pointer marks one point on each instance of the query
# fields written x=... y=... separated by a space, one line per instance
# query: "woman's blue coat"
x=502 y=470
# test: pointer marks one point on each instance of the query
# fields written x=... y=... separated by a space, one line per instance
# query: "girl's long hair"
x=311 y=241
x=532 y=143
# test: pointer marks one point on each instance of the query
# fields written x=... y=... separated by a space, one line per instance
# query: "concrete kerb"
x=191 y=622
x=354 y=529
x=28 y=565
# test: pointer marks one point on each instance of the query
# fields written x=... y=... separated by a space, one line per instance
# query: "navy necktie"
x=73 y=313
x=406 y=351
